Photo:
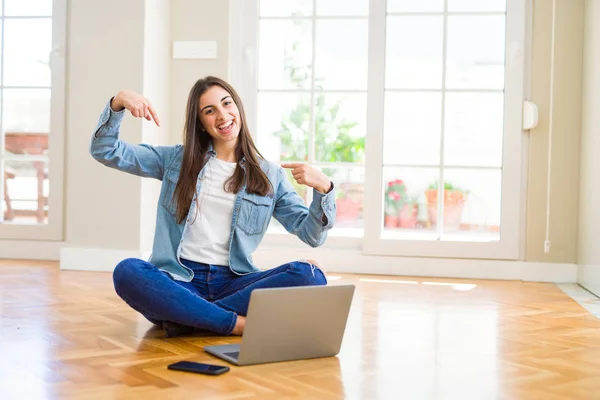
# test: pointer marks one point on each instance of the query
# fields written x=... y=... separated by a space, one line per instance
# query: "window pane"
x=474 y=129
x=283 y=126
x=350 y=195
x=415 y=5
x=285 y=53
x=412 y=128
x=340 y=122
x=27 y=45
x=343 y=7
x=405 y=211
x=26 y=192
x=472 y=204
x=26 y=110
x=28 y=8
x=476 y=5
x=414 y=52
x=341 y=55
x=278 y=8
x=476 y=47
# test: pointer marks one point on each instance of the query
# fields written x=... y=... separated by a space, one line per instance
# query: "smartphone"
x=199 y=368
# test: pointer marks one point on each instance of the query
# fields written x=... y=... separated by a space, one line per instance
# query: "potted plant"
x=454 y=200
x=347 y=207
x=395 y=199
x=408 y=213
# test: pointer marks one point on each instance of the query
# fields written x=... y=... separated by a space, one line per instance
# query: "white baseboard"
x=30 y=249
x=349 y=261
x=92 y=259
x=589 y=277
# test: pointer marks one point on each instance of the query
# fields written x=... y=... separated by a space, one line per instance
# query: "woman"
x=217 y=198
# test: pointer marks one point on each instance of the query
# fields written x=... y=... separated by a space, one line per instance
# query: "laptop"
x=291 y=323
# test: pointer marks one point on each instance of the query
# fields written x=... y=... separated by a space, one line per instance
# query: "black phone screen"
x=199 y=368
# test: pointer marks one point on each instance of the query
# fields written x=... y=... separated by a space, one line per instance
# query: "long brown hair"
x=196 y=145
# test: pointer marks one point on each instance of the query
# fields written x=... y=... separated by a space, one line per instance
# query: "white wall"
x=102 y=205
x=203 y=20
x=589 y=192
x=109 y=214
x=566 y=132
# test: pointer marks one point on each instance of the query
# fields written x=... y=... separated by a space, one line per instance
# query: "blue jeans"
x=212 y=300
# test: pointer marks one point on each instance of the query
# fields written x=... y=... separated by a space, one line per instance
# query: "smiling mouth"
x=226 y=128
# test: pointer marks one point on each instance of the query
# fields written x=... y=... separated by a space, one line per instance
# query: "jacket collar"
x=212 y=153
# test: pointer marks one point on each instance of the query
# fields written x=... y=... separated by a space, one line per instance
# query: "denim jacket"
x=251 y=214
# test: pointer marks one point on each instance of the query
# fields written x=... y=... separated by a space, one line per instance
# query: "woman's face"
x=219 y=114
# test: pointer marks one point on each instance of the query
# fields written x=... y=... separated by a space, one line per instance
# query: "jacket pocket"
x=254 y=214
x=168 y=188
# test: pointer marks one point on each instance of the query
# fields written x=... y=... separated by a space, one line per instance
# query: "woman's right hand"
x=138 y=105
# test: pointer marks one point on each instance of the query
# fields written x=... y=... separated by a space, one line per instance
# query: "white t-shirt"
x=207 y=237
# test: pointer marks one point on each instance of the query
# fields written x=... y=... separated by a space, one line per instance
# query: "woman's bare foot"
x=240 y=323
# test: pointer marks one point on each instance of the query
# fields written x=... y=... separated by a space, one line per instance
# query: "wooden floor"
x=66 y=335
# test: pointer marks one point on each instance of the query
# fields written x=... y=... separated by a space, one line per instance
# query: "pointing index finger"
x=154 y=115
x=291 y=165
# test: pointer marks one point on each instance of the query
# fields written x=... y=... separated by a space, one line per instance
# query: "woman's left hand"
x=309 y=176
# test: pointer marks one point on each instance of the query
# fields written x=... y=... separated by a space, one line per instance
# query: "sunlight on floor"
x=455 y=286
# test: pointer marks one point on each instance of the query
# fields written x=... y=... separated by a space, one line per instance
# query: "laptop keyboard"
x=233 y=354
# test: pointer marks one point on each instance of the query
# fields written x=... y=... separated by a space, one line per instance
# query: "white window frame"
x=243 y=76
x=53 y=229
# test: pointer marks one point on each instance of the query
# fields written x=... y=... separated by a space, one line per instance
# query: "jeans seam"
x=232 y=324
x=208 y=285
x=312 y=266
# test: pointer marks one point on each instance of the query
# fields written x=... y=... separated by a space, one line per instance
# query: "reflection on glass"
x=412 y=128
x=476 y=46
x=285 y=54
x=343 y=7
x=414 y=52
x=28 y=8
x=278 y=8
x=26 y=110
x=283 y=126
x=25 y=192
x=415 y=5
x=27 y=45
x=340 y=122
x=474 y=129
x=341 y=54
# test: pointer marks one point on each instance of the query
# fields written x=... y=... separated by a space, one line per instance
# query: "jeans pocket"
x=254 y=214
